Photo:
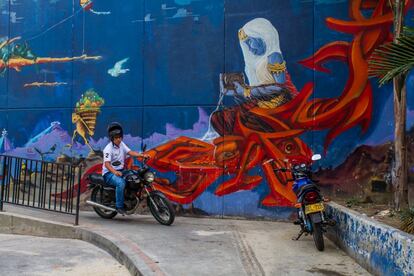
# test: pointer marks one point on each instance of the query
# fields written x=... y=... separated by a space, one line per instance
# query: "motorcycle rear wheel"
x=164 y=212
x=318 y=236
x=96 y=197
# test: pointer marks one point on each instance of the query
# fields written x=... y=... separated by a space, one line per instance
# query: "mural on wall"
x=44 y=83
x=217 y=114
x=264 y=128
x=118 y=68
x=18 y=55
x=85 y=115
x=87 y=5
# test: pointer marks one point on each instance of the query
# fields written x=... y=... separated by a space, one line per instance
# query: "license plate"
x=313 y=208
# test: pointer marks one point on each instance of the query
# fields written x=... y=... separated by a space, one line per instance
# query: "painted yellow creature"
x=81 y=128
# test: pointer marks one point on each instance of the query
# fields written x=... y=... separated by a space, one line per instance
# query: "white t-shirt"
x=113 y=154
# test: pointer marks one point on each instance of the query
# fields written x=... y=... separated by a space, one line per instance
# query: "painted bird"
x=117 y=69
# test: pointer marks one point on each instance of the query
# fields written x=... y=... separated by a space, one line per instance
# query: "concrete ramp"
x=192 y=246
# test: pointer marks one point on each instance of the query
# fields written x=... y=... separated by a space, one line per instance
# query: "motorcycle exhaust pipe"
x=95 y=204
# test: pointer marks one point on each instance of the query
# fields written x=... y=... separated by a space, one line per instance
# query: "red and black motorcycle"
x=138 y=188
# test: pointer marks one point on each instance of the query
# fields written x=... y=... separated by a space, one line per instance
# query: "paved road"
x=197 y=246
x=206 y=246
x=27 y=255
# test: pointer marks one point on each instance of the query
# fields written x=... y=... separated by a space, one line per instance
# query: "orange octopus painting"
x=265 y=128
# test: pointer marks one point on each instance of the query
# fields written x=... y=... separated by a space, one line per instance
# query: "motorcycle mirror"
x=144 y=148
x=316 y=157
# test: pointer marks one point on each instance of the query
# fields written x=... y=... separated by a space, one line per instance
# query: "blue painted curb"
x=379 y=248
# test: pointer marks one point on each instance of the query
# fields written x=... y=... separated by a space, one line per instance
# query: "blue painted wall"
x=175 y=52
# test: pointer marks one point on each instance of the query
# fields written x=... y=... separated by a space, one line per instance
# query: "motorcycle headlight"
x=149 y=176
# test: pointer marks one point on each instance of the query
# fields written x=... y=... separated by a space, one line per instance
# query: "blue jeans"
x=119 y=183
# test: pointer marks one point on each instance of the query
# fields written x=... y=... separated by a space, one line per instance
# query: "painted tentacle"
x=236 y=183
x=354 y=106
x=193 y=162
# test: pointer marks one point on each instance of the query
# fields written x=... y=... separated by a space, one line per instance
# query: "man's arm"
x=277 y=67
x=136 y=154
x=107 y=158
x=111 y=169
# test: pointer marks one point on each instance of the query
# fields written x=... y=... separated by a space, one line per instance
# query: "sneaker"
x=121 y=211
x=297 y=222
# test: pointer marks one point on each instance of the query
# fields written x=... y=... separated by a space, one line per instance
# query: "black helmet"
x=115 y=129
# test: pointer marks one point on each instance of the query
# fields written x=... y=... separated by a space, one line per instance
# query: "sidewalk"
x=205 y=246
x=28 y=255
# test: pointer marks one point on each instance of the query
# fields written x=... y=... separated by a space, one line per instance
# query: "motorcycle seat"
x=306 y=187
x=97 y=178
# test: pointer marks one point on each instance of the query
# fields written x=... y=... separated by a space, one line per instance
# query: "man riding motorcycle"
x=114 y=156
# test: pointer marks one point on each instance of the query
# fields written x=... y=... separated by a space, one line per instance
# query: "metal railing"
x=40 y=184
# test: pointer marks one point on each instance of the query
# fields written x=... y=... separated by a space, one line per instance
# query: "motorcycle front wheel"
x=161 y=208
x=96 y=197
x=318 y=236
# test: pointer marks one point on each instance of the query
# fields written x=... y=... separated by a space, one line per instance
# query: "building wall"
x=159 y=68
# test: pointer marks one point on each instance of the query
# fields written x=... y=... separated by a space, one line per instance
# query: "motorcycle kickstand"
x=299 y=235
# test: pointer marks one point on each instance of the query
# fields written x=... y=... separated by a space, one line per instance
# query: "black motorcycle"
x=138 y=187
x=310 y=202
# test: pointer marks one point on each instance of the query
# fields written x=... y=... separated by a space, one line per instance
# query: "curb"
x=379 y=248
x=123 y=250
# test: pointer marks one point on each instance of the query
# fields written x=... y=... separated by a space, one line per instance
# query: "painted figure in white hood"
x=265 y=66
x=263 y=59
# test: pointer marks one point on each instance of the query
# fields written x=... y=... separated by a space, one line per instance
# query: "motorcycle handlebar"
x=144 y=159
x=281 y=170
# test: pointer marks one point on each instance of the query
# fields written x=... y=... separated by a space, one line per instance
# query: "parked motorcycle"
x=310 y=202
x=138 y=187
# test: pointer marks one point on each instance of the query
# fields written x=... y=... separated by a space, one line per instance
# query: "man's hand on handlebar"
x=138 y=155
x=117 y=173
x=145 y=156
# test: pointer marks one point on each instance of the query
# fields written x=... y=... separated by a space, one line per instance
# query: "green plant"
x=407 y=220
x=352 y=202
x=393 y=59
